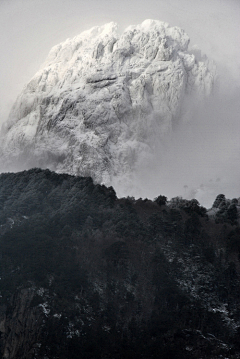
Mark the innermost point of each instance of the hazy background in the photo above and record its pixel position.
(202, 159)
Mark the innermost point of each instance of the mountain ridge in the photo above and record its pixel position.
(103, 102)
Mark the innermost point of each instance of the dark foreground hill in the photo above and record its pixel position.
(87, 275)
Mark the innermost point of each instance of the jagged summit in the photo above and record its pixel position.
(102, 101)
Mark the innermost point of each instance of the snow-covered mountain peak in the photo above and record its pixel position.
(103, 101)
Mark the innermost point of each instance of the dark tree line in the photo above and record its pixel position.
(101, 263)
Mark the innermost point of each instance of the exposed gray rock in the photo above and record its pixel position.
(20, 326)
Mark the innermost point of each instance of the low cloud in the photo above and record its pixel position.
(200, 158)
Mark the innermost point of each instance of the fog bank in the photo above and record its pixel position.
(201, 158)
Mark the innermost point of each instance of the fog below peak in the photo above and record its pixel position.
(200, 158)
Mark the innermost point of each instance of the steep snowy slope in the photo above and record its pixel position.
(102, 102)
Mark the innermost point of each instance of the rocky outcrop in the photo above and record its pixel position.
(102, 101)
(20, 326)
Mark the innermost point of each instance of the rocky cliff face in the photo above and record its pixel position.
(102, 101)
(20, 326)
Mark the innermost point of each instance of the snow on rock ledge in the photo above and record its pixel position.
(103, 101)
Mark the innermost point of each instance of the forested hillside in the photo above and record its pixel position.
(87, 275)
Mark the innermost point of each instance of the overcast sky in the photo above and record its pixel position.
(29, 28)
